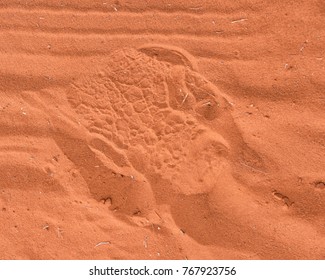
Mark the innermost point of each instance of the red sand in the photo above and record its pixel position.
(157, 130)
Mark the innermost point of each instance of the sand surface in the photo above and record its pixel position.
(162, 129)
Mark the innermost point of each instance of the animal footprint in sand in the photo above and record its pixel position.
(154, 109)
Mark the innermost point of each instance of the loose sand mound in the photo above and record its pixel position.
(161, 131)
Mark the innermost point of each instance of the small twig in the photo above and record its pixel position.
(46, 227)
(239, 20)
(158, 215)
(207, 103)
(185, 97)
(252, 168)
(102, 243)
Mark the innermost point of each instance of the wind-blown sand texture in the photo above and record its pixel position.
(162, 130)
